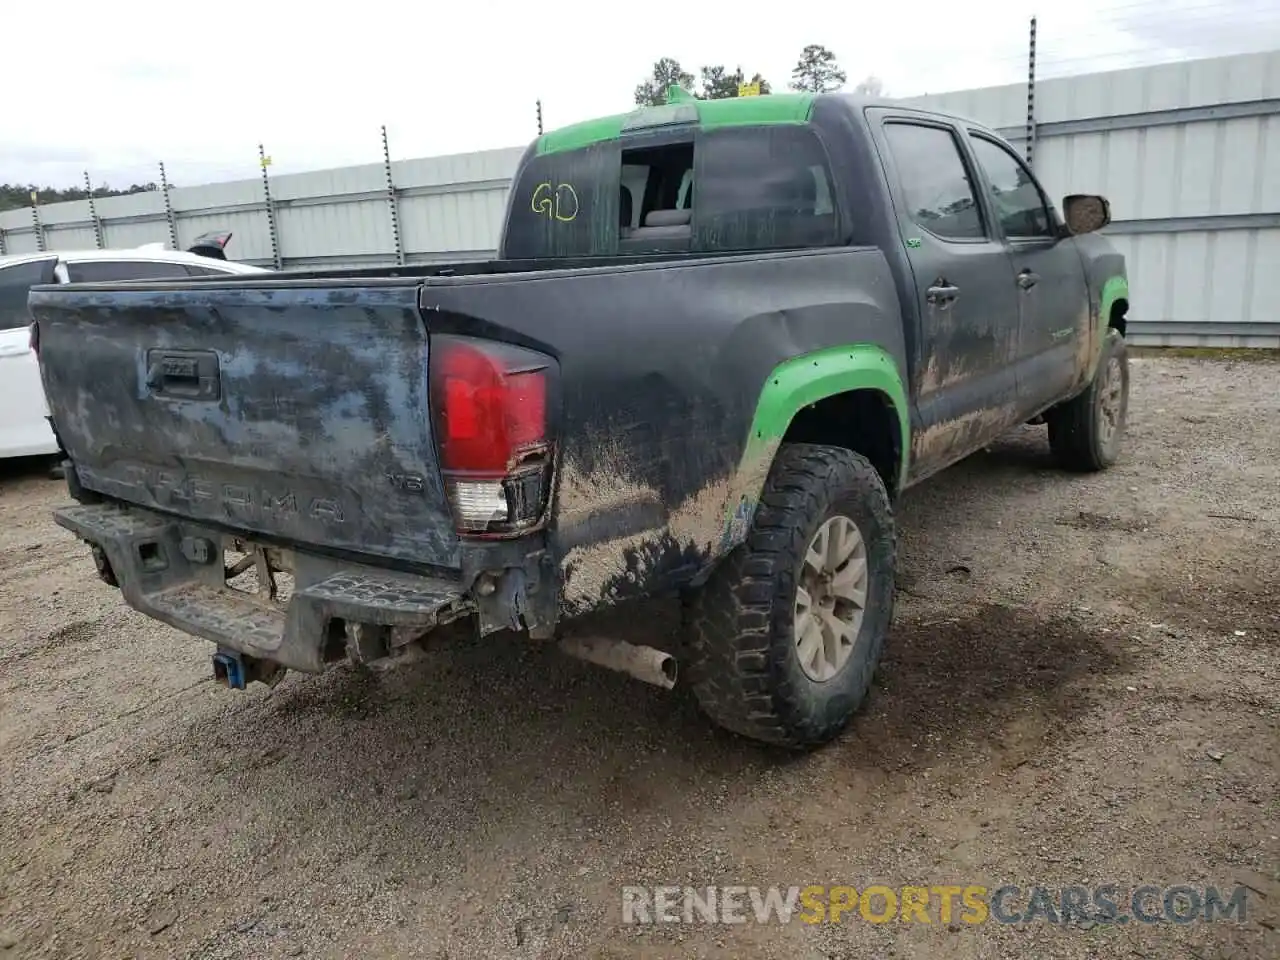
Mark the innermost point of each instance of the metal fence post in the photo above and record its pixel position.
(168, 209)
(93, 212)
(1031, 96)
(35, 219)
(264, 161)
(393, 204)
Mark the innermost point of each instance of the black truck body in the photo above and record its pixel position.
(591, 417)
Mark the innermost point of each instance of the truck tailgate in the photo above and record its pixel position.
(283, 409)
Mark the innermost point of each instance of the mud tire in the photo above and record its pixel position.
(743, 666)
(1078, 435)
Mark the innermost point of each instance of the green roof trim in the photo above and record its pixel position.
(709, 114)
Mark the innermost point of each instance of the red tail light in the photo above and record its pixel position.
(490, 403)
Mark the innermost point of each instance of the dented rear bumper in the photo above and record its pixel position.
(174, 571)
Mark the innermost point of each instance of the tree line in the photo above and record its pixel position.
(15, 196)
(817, 71)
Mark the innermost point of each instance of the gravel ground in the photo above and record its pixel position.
(1080, 688)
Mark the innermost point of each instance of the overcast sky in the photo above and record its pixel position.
(112, 88)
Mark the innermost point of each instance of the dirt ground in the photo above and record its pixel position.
(1081, 687)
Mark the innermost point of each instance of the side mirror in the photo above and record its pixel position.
(1086, 212)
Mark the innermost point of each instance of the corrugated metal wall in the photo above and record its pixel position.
(1189, 155)
(448, 208)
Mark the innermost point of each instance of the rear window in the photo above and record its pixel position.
(565, 205)
(759, 189)
(736, 188)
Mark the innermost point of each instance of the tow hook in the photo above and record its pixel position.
(235, 671)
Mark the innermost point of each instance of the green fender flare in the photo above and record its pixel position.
(1116, 288)
(789, 388)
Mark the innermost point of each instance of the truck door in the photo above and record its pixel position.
(963, 384)
(1053, 299)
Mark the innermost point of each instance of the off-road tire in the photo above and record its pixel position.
(1078, 435)
(743, 666)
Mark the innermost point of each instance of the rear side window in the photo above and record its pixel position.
(105, 271)
(15, 283)
(762, 188)
(935, 182)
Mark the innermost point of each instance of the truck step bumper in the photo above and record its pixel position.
(158, 577)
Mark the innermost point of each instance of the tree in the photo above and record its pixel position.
(666, 73)
(870, 86)
(719, 84)
(817, 71)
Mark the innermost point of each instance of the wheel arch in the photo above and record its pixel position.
(862, 420)
(1118, 318)
(852, 396)
(1113, 306)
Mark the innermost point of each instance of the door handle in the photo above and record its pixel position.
(1028, 279)
(941, 292)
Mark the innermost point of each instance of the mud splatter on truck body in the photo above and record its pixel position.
(660, 398)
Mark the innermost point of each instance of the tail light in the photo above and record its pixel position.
(494, 433)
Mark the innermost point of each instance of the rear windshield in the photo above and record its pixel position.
(729, 189)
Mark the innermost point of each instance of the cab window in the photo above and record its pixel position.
(1020, 206)
(565, 205)
(721, 190)
(762, 188)
(935, 182)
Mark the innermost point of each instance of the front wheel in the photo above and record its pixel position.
(786, 634)
(1085, 433)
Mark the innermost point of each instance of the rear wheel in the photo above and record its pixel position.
(1086, 432)
(787, 633)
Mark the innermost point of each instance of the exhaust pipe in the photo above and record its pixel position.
(644, 663)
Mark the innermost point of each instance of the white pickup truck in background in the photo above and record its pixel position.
(24, 425)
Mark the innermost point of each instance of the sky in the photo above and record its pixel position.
(199, 86)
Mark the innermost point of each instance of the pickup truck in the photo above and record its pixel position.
(719, 340)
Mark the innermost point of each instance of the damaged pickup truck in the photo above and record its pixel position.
(719, 341)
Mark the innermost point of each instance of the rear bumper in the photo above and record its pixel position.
(160, 578)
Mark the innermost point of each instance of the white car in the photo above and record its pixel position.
(24, 424)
